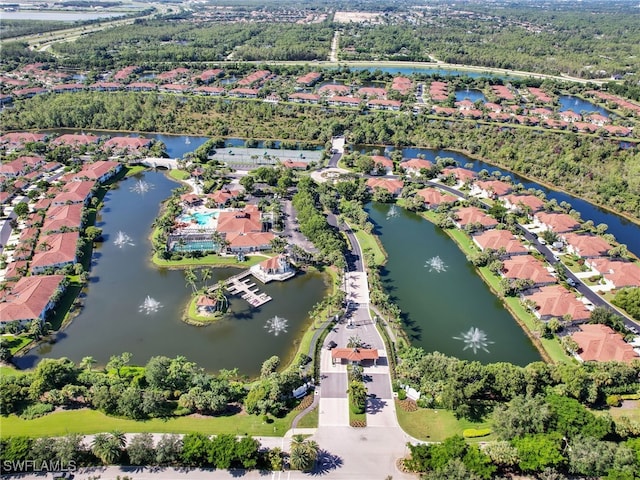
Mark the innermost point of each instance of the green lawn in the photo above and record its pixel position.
(15, 343)
(369, 242)
(630, 409)
(310, 420)
(436, 425)
(193, 315)
(90, 421)
(212, 260)
(135, 169)
(179, 174)
(7, 370)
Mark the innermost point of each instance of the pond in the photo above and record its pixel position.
(446, 305)
(133, 306)
(470, 94)
(577, 105)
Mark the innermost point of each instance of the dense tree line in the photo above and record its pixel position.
(165, 387)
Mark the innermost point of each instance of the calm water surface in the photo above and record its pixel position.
(122, 277)
(441, 305)
(473, 95)
(577, 105)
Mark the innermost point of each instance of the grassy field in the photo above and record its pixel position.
(369, 242)
(629, 409)
(6, 370)
(179, 174)
(90, 421)
(436, 425)
(15, 343)
(210, 260)
(310, 420)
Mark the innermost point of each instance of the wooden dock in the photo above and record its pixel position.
(241, 285)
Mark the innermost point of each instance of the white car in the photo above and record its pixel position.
(571, 282)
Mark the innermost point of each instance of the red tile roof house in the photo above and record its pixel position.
(331, 90)
(491, 188)
(300, 97)
(526, 267)
(249, 242)
(414, 165)
(125, 72)
(382, 164)
(211, 91)
(371, 92)
(191, 199)
(244, 92)
(354, 355)
(21, 166)
(383, 104)
(309, 79)
(31, 298)
(394, 187)
(344, 101)
(75, 140)
(600, 343)
(173, 74)
(473, 215)
(433, 197)
(462, 175)
(523, 203)
(99, 171)
(275, 268)
(222, 197)
(63, 217)
(126, 145)
(557, 222)
(254, 77)
(402, 85)
(617, 272)
(586, 246)
(55, 251)
(500, 239)
(206, 305)
(555, 301)
(14, 140)
(209, 75)
(75, 192)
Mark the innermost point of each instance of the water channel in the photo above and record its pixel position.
(122, 277)
(440, 294)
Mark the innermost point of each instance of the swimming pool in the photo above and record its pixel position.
(201, 218)
(202, 246)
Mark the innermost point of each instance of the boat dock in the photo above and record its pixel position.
(241, 285)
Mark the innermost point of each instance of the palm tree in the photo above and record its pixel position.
(108, 447)
(190, 278)
(87, 363)
(205, 275)
(304, 453)
(222, 303)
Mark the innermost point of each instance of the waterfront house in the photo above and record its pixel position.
(99, 171)
(141, 87)
(206, 305)
(209, 75)
(473, 216)
(402, 85)
(16, 140)
(20, 166)
(382, 164)
(309, 79)
(331, 90)
(556, 222)
(55, 251)
(275, 268)
(617, 273)
(75, 192)
(338, 101)
(127, 145)
(105, 86)
(393, 186)
(301, 97)
(63, 217)
(371, 92)
(523, 204)
(31, 298)
(491, 188)
(125, 73)
(462, 175)
(29, 92)
(255, 77)
(75, 140)
(433, 197)
(555, 301)
(585, 245)
(384, 104)
(500, 240)
(240, 242)
(414, 166)
(600, 343)
(438, 91)
(526, 267)
(173, 75)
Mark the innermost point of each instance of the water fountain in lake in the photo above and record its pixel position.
(141, 187)
(474, 339)
(277, 325)
(123, 239)
(393, 212)
(436, 264)
(150, 305)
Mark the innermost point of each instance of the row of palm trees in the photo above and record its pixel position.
(222, 302)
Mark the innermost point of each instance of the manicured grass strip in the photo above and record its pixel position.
(369, 242)
(135, 169)
(6, 371)
(179, 174)
(310, 420)
(631, 410)
(437, 425)
(15, 343)
(211, 259)
(90, 421)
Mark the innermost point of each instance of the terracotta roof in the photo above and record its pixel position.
(240, 221)
(61, 250)
(621, 273)
(496, 187)
(372, 92)
(354, 354)
(600, 343)
(433, 196)
(416, 164)
(497, 239)
(334, 89)
(531, 201)
(254, 77)
(74, 192)
(382, 160)
(204, 301)
(249, 240)
(527, 267)
(391, 185)
(461, 174)
(63, 216)
(29, 297)
(128, 143)
(309, 78)
(587, 245)
(467, 215)
(557, 301)
(558, 222)
(71, 139)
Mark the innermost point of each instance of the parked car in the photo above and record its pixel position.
(571, 282)
(331, 345)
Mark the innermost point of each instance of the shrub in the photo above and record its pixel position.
(614, 400)
(476, 432)
(37, 410)
(357, 409)
(402, 394)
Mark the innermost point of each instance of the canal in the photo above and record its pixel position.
(443, 300)
(122, 276)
